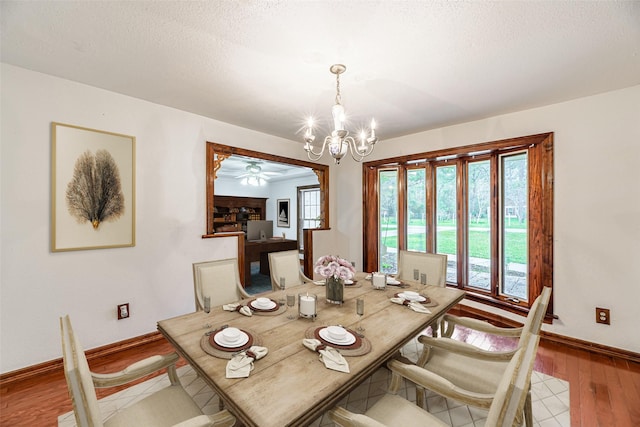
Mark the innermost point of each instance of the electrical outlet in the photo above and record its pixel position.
(123, 311)
(603, 316)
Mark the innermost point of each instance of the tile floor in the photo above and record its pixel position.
(550, 398)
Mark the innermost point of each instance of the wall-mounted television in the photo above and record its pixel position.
(259, 230)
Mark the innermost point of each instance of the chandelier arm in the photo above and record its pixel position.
(356, 154)
(319, 154)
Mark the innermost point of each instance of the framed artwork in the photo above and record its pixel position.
(283, 212)
(92, 189)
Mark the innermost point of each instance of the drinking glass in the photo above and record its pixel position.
(291, 301)
(282, 287)
(207, 304)
(416, 274)
(360, 313)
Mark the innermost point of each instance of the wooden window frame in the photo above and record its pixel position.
(539, 210)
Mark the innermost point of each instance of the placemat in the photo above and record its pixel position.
(430, 302)
(361, 347)
(277, 310)
(213, 349)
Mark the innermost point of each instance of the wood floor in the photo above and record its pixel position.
(604, 391)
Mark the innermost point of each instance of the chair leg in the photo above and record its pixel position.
(420, 397)
(528, 410)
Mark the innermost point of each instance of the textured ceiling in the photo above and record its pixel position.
(264, 65)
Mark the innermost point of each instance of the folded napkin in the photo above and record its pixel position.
(331, 357)
(415, 306)
(243, 309)
(241, 364)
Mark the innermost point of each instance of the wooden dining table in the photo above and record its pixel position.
(290, 386)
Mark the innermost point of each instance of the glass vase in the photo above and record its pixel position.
(335, 290)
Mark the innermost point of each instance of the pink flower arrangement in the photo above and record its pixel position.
(330, 265)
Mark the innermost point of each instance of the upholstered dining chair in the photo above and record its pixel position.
(286, 264)
(474, 369)
(433, 265)
(219, 280)
(170, 406)
(392, 410)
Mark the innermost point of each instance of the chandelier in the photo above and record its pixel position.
(339, 141)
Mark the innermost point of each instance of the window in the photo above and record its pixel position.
(388, 232)
(488, 207)
(309, 210)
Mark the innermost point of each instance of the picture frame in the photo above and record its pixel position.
(92, 188)
(283, 212)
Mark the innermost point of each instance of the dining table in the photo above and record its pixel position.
(290, 386)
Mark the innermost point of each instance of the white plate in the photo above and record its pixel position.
(392, 281)
(219, 339)
(348, 340)
(419, 299)
(271, 306)
(319, 282)
(348, 282)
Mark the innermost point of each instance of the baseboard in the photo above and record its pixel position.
(55, 365)
(497, 320)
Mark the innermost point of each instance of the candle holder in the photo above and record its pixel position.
(307, 306)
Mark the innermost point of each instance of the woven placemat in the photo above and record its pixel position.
(430, 302)
(279, 309)
(345, 350)
(227, 353)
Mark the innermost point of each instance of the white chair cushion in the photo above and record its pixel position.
(166, 407)
(393, 410)
(480, 376)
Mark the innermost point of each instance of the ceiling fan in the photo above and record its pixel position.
(254, 174)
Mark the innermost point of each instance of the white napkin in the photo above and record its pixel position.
(415, 306)
(331, 357)
(234, 307)
(242, 363)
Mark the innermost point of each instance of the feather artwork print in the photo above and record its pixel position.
(94, 193)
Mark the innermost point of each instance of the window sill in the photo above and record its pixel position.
(503, 305)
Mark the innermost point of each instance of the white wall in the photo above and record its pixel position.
(287, 190)
(596, 213)
(155, 277)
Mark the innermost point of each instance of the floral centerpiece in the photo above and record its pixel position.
(335, 270)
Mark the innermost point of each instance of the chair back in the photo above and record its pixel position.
(79, 380)
(219, 280)
(509, 399)
(434, 265)
(538, 309)
(285, 264)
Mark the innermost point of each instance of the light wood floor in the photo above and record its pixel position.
(604, 391)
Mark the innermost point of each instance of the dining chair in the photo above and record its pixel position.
(392, 410)
(433, 265)
(474, 369)
(219, 280)
(286, 264)
(169, 406)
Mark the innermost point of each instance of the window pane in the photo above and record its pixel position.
(310, 211)
(514, 225)
(446, 220)
(388, 233)
(479, 232)
(416, 210)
